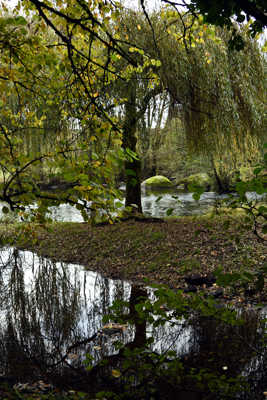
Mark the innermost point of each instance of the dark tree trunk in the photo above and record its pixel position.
(132, 165)
(138, 294)
(133, 113)
(133, 185)
(222, 185)
(218, 180)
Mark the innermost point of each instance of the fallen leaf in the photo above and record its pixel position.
(116, 373)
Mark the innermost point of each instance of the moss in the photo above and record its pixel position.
(158, 181)
(226, 211)
(246, 173)
(201, 179)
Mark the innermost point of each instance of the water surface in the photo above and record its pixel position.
(51, 317)
(155, 204)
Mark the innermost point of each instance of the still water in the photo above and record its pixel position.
(157, 203)
(154, 204)
(51, 317)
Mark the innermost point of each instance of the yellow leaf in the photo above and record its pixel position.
(72, 356)
(116, 373)
(139, 27)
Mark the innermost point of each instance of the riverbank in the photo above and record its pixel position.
(180, 253)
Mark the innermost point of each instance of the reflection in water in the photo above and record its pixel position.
(51, 316)
(51, 313)
(48, 309)
(232, 350)
(181, 203)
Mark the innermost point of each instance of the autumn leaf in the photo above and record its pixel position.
(115, 373)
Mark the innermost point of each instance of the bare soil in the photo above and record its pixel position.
(164, 252)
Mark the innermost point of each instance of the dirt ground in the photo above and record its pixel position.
(163, 251)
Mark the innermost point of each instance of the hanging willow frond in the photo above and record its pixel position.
(222, 93)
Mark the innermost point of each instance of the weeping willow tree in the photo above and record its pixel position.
(219, 93)
(222, 93)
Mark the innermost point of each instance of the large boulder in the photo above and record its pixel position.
(158, 181)
(201, 179)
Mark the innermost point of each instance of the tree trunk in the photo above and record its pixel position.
(132, 165)
(138, 294)
(222, 184)
(157, 137)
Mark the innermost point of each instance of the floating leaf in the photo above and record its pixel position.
(115, 373)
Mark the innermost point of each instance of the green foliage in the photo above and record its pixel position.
(45, 132)
(230, 11)
(58, 105)
(12, 394)
(256, 213)
(168, 150)
(59, 93)
(153, 371)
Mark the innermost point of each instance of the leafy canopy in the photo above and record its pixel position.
(227, 12)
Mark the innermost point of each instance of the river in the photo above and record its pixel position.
(155, 204)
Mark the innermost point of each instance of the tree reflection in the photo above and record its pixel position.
(231, 350)
(49, 310)
(51, 317)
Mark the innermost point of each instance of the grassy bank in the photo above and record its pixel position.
(163, 252)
